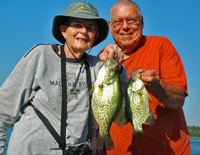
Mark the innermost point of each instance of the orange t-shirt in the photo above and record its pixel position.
(169, 134)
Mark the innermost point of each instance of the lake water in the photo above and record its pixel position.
(194, 144)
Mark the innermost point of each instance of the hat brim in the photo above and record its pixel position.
(59, 20)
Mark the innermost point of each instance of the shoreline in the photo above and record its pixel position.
(195, 137)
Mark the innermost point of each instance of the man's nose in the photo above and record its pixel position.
(125, 25)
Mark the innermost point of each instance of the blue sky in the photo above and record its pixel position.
(24, 24)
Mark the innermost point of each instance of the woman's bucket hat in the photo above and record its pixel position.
(84, 11)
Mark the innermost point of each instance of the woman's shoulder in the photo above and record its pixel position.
(40, 49)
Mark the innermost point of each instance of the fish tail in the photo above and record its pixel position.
(107, 140)
(109, 143)
(100, 143)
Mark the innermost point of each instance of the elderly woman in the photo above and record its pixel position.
(50, 101)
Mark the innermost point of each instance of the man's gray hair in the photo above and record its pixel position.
(126, 2)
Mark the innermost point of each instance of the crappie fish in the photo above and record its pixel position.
(107, 102)
(137, 107)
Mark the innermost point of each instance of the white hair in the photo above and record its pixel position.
(125, 2)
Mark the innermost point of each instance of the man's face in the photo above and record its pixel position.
(126, 26)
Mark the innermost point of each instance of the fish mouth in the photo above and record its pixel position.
(135, 75)
(111, 62)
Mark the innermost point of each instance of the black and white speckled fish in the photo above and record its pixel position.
(137, 108)
(107, 102)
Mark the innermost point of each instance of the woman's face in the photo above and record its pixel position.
(80, 34)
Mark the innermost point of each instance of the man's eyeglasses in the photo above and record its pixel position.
(78, 27)
(129, 21)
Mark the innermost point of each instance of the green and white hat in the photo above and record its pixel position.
(83, 10)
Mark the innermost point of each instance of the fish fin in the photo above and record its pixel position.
(149, 98)
(92, 90)
(100, 91)
(121, 119)
(95, 122)
(150, 119)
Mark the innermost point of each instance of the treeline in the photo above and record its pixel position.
(194, 131)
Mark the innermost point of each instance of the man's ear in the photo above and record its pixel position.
(110, 25)
(97, 35)
(142, 22)
(63, 30)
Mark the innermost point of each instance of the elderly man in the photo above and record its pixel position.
(164, 77)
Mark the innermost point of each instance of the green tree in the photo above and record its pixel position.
(194, 131)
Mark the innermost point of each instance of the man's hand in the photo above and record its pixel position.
(112, 51)
(170, 95)
(151, 78)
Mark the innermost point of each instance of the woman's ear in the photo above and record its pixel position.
(97, 35)
(63, 30)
